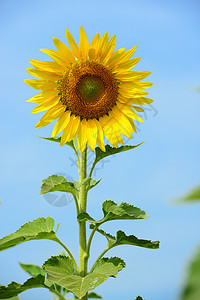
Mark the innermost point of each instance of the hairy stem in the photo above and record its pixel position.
(77, 205)
(82, 224)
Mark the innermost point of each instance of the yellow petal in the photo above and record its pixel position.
(109, 48)
(95, 41)
(49, 66)
(139, 101)
(103, 43)
(83, 44)
(116, 133)
(129, 85)
(124, 124)
(64, 51)
(46, 105)
(127, 65)
(42, 85)
(123, 98)
(136, 75)
(43, 74)
(129, 112)
(70, 130)
(137, 108)
(144, 85)
(119, 124)
(94, 46)
(43, 96)
(132, 124)
(114, 58)
(61, 123)
(100, 137)
(52, 114)
(91, 134)
(128, 53)
(135, 84)
(111, 130)
(82, 136)
(55, 56)
(73, 44)
(92, 53)
(132, 93)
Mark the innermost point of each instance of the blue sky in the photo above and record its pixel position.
(164, 167)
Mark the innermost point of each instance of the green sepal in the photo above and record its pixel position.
(99, 154)
(113, 211)
(32, 270)
(139, 298)
(123, 239)
(60, 270)
(55, 183)
(14, 288)
(39, 229)
(57, 139)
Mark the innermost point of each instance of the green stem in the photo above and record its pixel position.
(90, 241)
(57, 293)
(69, 252)
(100, 256)
(77, 205)
(82, 224)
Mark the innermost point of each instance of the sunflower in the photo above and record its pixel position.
(90, 90)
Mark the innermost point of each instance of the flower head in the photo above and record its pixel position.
(90, 90)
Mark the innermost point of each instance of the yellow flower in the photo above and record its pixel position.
(90, 89)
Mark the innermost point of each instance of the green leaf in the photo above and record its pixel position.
(57, 183)
(193, 195)
(123, 239)
(112, 211)
(93, 295)
(60, 269)
(110, 151)
(38, 229)
(191, 289)
(139, 298)
(86, 217)
(32, 270)
(57, 139)
(124, 211)
(14, 288)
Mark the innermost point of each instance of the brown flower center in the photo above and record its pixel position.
(89, 90)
